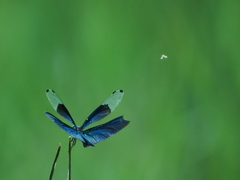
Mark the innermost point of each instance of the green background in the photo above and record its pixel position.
(184, 110)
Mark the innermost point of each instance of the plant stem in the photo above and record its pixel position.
(54, 162)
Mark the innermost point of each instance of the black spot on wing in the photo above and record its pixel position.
(49, 90)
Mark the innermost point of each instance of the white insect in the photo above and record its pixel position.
(163, 57)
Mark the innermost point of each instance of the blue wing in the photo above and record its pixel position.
(59, 106)
(96, 115)
(71, 131)
(104, 109)
(62, 110)
(103, 131)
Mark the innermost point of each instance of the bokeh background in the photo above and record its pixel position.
(184, 110)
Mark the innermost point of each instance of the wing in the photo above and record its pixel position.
(103, 131)
(105, 108)
(58, 105)
(71, 131)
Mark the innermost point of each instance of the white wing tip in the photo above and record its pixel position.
(119, 90)
(49, 90)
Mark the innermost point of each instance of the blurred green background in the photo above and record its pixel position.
(184, 110)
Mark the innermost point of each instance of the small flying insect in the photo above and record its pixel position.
(163, 57)
(91, 136)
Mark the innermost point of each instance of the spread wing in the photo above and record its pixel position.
(104, 109)
(103, 131)
(58, 105)
(71, 131)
